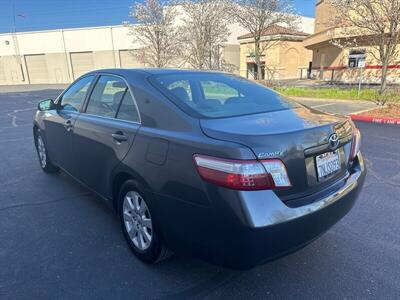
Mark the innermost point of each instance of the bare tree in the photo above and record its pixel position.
(258, 15)
(371, 23)
(204, 30)
(156, 32)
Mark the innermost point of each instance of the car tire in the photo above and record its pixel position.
(139, 225)
(45, 163)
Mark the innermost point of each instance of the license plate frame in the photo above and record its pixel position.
(327, 164)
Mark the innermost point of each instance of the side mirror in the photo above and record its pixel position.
(47, 104)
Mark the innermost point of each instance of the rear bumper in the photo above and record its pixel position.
(254, 227)
(274, 211)
(276, 230)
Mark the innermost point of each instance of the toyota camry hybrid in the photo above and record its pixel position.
(203, 162)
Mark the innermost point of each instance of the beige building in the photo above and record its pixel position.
(284, 55)
(331, 61)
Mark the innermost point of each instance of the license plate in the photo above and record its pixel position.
(327, 164)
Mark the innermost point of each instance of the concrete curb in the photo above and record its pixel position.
(362, 111)
(330, 100)
(372, 119)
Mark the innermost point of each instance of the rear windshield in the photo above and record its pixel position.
(217, 95)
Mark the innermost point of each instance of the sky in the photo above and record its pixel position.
(54, 14)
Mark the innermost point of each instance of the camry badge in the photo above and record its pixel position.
(269, 154)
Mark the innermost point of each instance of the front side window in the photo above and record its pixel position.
(217, 95)
(106, 96)
(74, 97)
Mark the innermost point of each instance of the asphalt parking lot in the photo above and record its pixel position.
(58, 241)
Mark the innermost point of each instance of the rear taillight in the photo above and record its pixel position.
(243, 174)
(356, 143)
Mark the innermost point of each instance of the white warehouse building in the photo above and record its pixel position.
(61, 56)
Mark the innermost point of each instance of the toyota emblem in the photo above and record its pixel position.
(333, 141)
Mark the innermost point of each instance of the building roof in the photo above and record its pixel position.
(154, 71)
(275, 30)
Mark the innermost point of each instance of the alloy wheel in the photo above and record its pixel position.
(41, 151)
(137, 220)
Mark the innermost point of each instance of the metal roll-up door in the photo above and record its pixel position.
(129, 59)
(37, 68)
(82, 62)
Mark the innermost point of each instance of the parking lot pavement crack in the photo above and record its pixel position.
(13, 116)
(15, 140)
(382, 180)
(207, 287)
(385, 138)
(391, 160)
(18, 179)
(26, 204)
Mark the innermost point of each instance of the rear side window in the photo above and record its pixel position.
(127, 111)
(218, 90)
(218, 95)
(106, 96)
(181, 89)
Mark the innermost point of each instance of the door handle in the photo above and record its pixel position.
(119, 137)
(68, 125)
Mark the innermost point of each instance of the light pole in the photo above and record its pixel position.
(15, 41)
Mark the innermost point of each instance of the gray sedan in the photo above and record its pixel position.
(203, 162)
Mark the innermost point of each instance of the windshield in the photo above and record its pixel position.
(217, 95)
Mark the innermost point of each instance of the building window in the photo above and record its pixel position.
(357, 58)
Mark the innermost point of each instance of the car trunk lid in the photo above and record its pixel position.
(296, 136)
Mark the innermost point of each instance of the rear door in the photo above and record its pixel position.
(104, 133)
(59, 123)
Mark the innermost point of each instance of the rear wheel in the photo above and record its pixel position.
(44, 158)
(139, 225)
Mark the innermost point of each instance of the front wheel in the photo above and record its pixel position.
(42, 152)
(139, 225)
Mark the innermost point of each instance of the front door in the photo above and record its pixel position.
(104, 132)
(59, 123)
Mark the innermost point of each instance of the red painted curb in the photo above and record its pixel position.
(371, 119)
